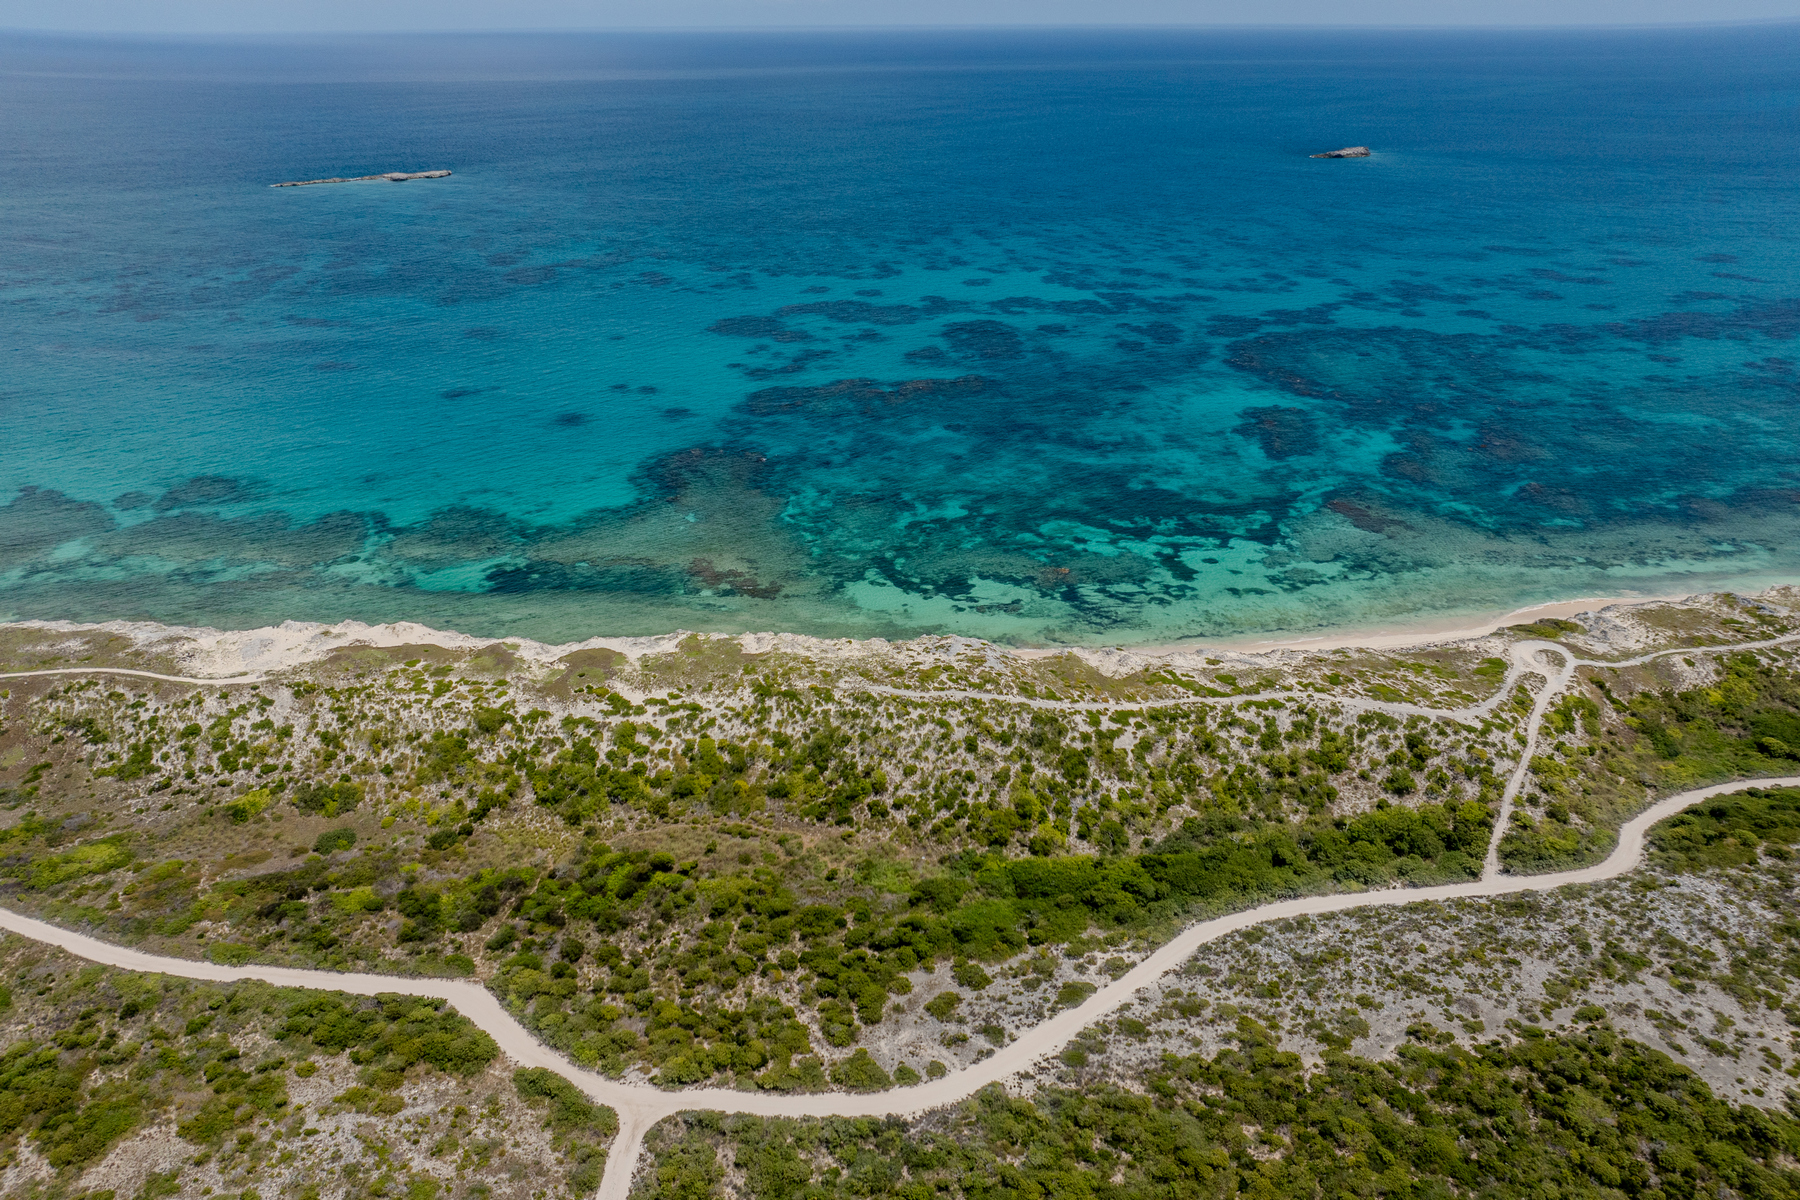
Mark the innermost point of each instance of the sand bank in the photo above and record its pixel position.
(224, 654)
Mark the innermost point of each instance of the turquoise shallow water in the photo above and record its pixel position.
(1049, 338)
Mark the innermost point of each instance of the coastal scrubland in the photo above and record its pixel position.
(782, 865)
(144, 1086)
(805, 866)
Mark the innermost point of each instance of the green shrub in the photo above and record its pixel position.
(160, 1184)
(333, 840)
(971, 976)
(327, 799)
(94, 858)
(860, 1073)
(357, 900)
(448, 835)
(1073, 993)
(140, 761)
(569, 1111)
(371, 1101)
(943, 1005)
(249, 805)
(392, 1032)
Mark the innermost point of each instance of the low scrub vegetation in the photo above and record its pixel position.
(1588, 1114)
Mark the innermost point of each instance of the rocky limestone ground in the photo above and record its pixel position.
(1704, 967)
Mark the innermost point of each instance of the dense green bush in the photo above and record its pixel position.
(333, 840)
(1548, 842)
(1745, 724)
(327, 799)
(860, 1073)
(569, 1111)
(943, 1006)
(249, 805)
(581, 1128)
(391, 1033)
(856, 956)
(1587, 1115)
(41, 1088)
(91, 858)
(1729, 831)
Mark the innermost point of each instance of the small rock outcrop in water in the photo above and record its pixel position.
(390, 176)
(1346, 152)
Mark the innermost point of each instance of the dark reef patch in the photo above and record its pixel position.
(1282, 432)
(671, 476)
(984, 339)
(38, 520)
(1161, 332)
(1776, 319)
(533, 576)
(206, 490)
(772, 328)
(862, 396)
(1318, 314)
(730, 582)
(458, 534)
(1224, 326)
(1364, 517)
(861, 312)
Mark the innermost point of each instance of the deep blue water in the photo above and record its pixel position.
(1044, 337)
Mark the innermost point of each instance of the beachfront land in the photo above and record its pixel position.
(784, 865)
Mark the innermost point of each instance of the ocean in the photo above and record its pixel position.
(1044, 337)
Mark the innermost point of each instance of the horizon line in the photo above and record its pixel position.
(847, 28)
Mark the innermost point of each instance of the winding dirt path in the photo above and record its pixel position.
(640, 1107)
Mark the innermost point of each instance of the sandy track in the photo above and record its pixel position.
(640, 1107)
(232, 680)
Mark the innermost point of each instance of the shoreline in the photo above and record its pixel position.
(1428, 631)
(224, 653)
